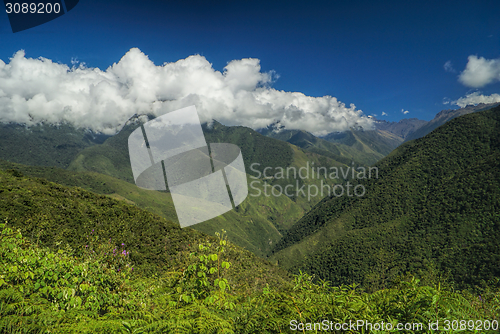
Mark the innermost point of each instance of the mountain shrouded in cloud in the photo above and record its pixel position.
(476, 98)
(39, 90)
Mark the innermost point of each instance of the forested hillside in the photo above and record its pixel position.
(257, 224)
(45, 144)
(435, 210)
(112, 157)
(53, 215)
(75, 262)
(260, 220)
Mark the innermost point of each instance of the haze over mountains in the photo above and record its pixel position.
(401, 129)
(365, 147)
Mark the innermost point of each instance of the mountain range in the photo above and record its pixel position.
(262, 224)
(257, 224)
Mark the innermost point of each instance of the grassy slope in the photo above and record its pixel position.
(44, 145)
(259, 222)
(255, 225)
(437, 200)
(51, 214)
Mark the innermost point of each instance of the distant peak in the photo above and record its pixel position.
(275, 127)
(139, 118)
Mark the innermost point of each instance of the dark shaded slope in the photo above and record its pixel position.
(255, 148)
(437, 202)
(44, 144)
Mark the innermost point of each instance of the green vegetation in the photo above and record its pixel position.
(44, 144)
(73, 261)
(111, 157)
(256, 225)
(255, 148)
(51, 214)
(52, 291)
(435, 210)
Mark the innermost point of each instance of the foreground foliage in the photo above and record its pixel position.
(47, 291)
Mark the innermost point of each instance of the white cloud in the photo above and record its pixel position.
(384, 113)
(34, 90)
(476, 98)
(405, 111)
(480, 71)
(448, 67)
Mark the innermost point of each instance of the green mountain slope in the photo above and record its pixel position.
(436, 205)
(43, 144)
(55, 215)
(259, 221)
(112, 158)
(256, 225)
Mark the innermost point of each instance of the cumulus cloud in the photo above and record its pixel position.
(39, 90)
(448, 67)
(384, 113)
(480, 71)
(476, 98)
(405, 111)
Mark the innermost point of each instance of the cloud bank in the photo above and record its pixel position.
(480, 71)
(476, 98)
(39, 90)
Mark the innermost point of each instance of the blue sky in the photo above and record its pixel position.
(381, 56)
